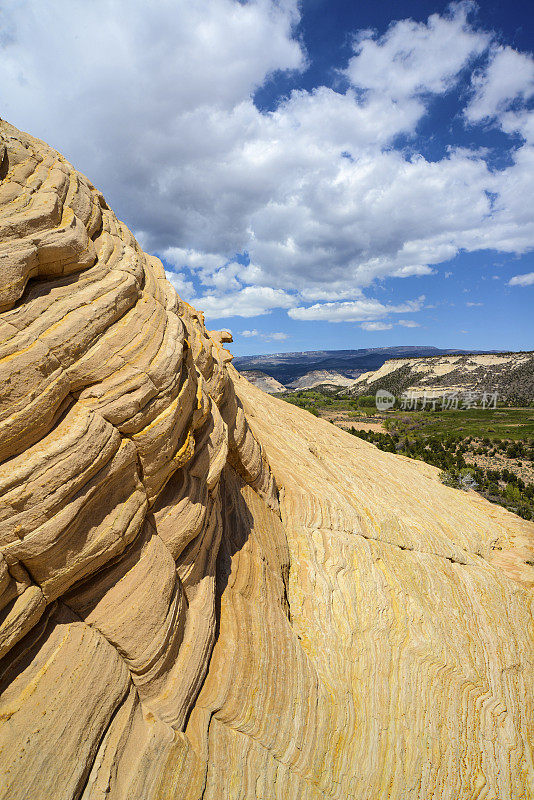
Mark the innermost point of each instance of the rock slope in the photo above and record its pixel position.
(319, 377)
(263, 381)
(509, 374)
(206, 592)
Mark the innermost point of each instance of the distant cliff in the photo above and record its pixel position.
(308, 381)
(289, 367)
(319, 377)
(263, 381)
(511, 375)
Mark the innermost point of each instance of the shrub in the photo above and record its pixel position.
(459, 479)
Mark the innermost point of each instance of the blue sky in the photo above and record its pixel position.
(314, 175)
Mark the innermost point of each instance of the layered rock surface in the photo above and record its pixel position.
(511, 375)
(206, 592)
(263, 381)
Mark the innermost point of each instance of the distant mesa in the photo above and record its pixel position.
(320, 377)
(511, 375)
(289, 367)
(310, 380)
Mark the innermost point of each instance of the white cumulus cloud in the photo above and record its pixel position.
(426, 57)
(354, 311)
(155, 102)
(376, 326)
(251, 301)
(181, 284)
(272, 336)
(509, 75)
(522, 280)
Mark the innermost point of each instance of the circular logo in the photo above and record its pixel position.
(384, 400)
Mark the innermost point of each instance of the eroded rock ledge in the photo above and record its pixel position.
(207, 593)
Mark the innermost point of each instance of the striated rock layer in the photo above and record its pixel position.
(263, 381)
(206, 592)
(511, 375)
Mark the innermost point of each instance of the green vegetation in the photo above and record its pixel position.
(316, 400)
(395, 382)
(509, 423)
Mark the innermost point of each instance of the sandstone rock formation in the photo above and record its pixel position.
(263, 381)
(206, 592)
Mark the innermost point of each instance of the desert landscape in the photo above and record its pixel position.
(266, 400)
